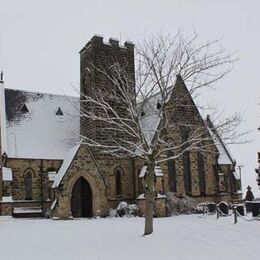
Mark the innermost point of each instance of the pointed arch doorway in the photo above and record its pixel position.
(81, 199)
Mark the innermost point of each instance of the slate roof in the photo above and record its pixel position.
(39, 125)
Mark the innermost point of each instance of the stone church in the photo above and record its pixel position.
(45, 171)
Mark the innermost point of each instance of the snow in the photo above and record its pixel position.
(65, 165)
(7, 199)
(27, 210)
(158, 195)
(224, 157)
(52, 176)
(180, 237)
(157, 171)
(40, 133)
(53, 204)
(236, 175)
(7, 174)
(151, 118)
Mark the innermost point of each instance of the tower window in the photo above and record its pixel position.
(59, 112)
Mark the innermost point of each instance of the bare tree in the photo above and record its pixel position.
(139, 119)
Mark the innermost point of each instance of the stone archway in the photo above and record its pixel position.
(99, 199)
(81, 199)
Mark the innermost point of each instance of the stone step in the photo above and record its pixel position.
(27, 212)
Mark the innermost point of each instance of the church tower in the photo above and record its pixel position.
(96, 60)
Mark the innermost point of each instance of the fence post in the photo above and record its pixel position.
(235, 214)
(217, 212)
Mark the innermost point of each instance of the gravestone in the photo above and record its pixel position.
(255, 208)
(211, 207)
(248, 206)
(223, 208)
(240, 209)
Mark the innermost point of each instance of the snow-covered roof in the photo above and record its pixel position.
(157, 171)
(7, 174)
(52, 176)
(7, 199)
(236, 175)
(65, 165)
(39, 125)
(150, 117)
(224, 155)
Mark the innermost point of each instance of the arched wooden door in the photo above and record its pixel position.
(81, 199)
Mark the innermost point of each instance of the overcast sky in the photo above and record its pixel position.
(40, 41)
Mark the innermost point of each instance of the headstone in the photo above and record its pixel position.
(248, 206)
(211, 207)
(240, 209)
(255, 208)
(223, 208)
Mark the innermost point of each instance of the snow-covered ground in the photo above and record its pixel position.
(182, 237)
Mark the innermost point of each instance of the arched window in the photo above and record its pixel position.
(118, 182)
(201, 171)
(28, 184)
(172, 180)
(186, 161)
(140, 183)
(171, 173)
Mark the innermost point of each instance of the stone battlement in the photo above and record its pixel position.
(98, 40)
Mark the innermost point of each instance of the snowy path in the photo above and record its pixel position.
(182, 237)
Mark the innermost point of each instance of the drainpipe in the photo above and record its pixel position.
(41, 173)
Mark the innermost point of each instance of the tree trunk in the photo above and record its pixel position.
(149, 199)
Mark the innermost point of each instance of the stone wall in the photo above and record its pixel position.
(96, 60)
(84, 166)
(6, 208)
(40, 181)
(160, 209)
(183, 116)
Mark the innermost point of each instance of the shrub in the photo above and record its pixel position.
(124, 209)
(177, 205)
